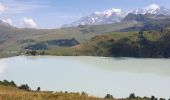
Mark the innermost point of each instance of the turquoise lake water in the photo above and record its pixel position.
(97, 76)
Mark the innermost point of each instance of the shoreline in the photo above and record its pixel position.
(84, 56)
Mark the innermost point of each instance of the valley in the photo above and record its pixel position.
(82, 50)
(140, 33)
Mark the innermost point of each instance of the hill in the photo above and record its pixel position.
(10, 91)
(14, 40)
(148, 44)
(144, 44)
(92, 40)
(146, 22)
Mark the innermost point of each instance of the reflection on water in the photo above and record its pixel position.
(151, 66)
(95, 75)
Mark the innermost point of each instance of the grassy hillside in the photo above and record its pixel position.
(13, 40)
(10, 91)
(95, 40)
(147, 44)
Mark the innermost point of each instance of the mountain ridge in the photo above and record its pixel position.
(152, 9)
(117, 15)
(97, 18)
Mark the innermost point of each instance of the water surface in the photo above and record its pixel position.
(95, 75)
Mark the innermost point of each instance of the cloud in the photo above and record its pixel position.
(2, 8)
(29, 23)
(9, 21)
(17, 6)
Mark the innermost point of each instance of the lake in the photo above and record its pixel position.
(94, 75)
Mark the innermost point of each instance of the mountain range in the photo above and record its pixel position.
(139, 33)
(117, 15)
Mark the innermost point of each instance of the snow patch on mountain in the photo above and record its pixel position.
(116, 15)
(107, 17)
(152, 9)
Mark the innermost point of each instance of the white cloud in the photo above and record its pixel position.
(2, 8)
(9, 21)
(16, 6)
(29, 23)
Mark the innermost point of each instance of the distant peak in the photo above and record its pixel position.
(153, 6)
(152, 9)
(115, 15)
(97, 12)
(116, 10)
(110, 11)
(113, 10)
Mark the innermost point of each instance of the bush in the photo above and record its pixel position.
(24, 87)
(162, 99)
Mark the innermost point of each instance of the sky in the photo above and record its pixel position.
(55, 13)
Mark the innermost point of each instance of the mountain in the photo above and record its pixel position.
(5, 25)
(14, 41)
(117, 15)
(148, 44)
(6, 31)
(136, 17)
(131, 17)
(146, 22)
(107, 17)
(152, 9)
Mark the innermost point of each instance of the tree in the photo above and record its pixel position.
(141, 33)
(66, 92)
(108, 96)
(132, 95)
(141, 36)
(6, 83)
(12, 83)
(43, 53)
(153, 98)
(34, 52)
(161, 30)
(1, 83)
(84, 94)
(38, 89)
(24, 87)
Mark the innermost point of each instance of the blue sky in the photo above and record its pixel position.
(54, 13)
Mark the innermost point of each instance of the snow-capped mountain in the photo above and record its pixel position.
(107, 17)
(117, 15)
(152, 9)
